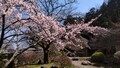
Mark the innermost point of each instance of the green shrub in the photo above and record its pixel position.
(56, 53)
(1, 64)
(98, 57)
(2, 56)
(53, 55)
(63, 62)
(60, 59)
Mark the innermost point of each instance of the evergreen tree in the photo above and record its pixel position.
(110, 14)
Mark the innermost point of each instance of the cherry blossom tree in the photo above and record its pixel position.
(49, 32)
(73, 33)
(11, 18)
(39, 29)
(12, 12)
(13, 15)
(45, 29)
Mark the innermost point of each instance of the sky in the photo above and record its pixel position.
(84, 6)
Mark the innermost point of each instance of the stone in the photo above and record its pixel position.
(54, 67)
(75, 59)
(86, 63)
(117, 57)
(42, 67)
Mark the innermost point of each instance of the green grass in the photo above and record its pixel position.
(33, 66)
(36, 66)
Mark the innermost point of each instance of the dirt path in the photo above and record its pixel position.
(78, 63)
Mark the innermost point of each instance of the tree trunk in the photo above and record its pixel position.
(10, 62)
(45, 58)
(3, 30)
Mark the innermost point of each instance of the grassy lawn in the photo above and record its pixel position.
(36, 66)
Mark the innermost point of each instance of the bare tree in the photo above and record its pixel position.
(57, 8)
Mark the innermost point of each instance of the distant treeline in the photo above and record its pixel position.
(110, 14)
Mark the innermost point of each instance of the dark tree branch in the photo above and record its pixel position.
(15, 23)
(12, 35)
(3, 31)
